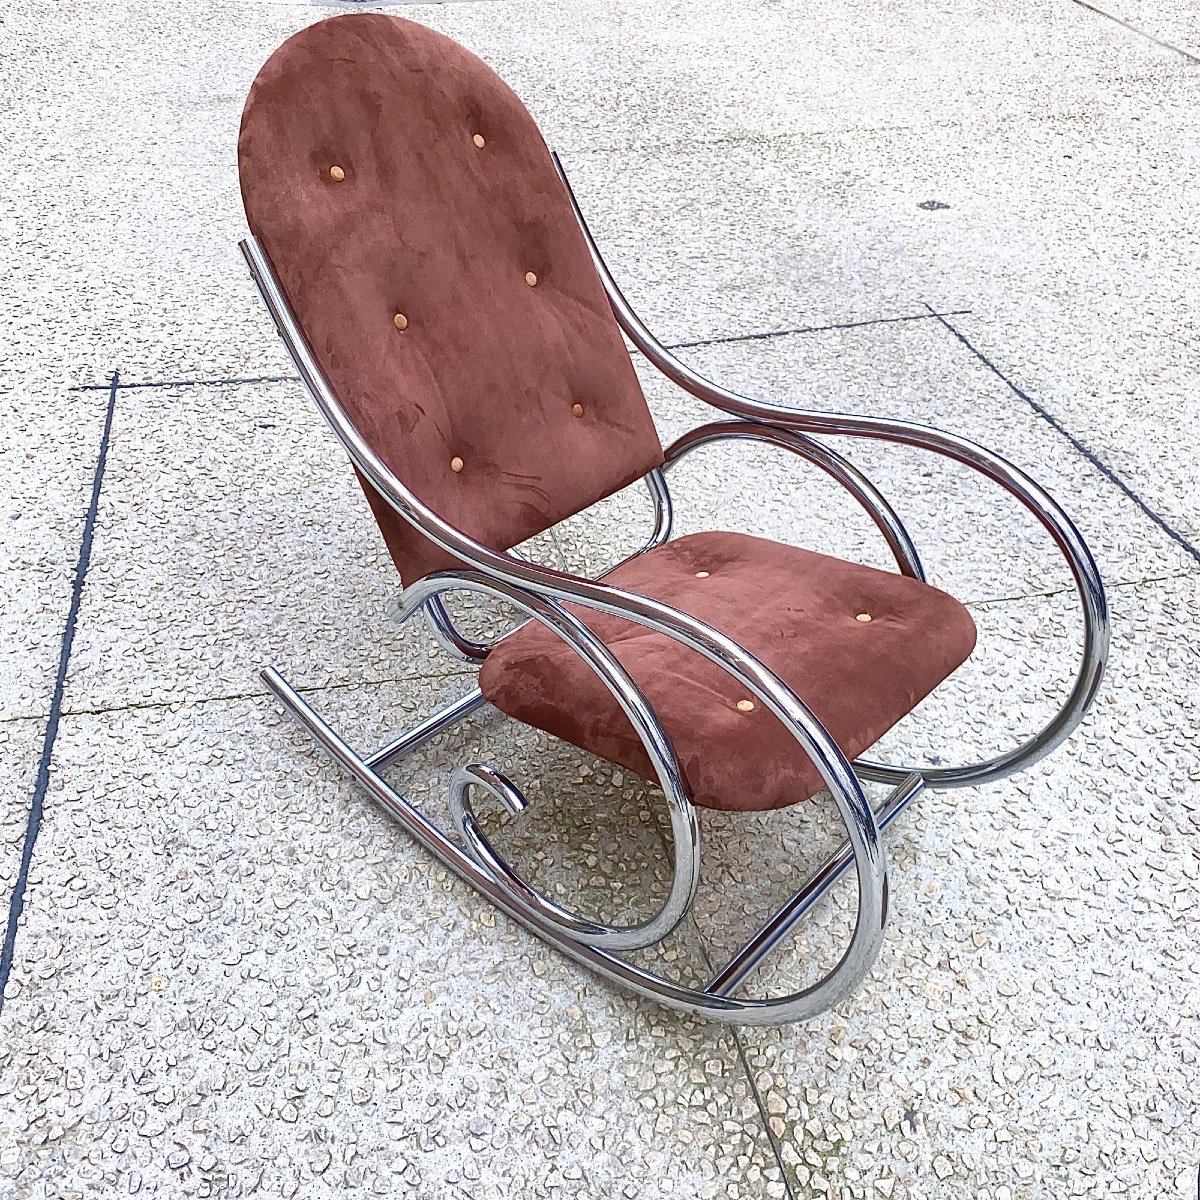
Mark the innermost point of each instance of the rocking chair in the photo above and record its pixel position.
(426, 264)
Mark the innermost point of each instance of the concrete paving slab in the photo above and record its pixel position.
(1130, 389)
(671, 74)
(976, 541)
(1027, 1025)
(49, 442)
(128, 161)
(141, 273)
(819, 229)
(273, 874)
(135, 249)
(235, 974)
(232, 533)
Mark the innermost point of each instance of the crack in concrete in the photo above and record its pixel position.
(41, 786)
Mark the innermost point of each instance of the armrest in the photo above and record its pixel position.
(845, 472)
(1036, 499)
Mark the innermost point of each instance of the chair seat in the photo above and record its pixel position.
(803, 614)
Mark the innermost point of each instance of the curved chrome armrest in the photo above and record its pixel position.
(1050, 515)
(845, 472)
(922, 437)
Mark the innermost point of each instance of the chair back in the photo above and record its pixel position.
(427, 247)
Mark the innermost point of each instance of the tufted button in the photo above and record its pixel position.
(577, 409)
(400, 321)
(479, 140)
(701, 574)
(745, 705)
(531, 279)
(456, 464)
(337, 174)
(863, 617)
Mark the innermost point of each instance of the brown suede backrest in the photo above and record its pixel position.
(427, 247)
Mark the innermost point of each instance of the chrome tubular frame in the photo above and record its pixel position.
(709, 1004)
(664, 513)
(542, 593)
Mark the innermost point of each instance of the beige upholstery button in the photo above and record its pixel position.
(531, 279)
(745, 705)
(337, 174)
(400, 321)
(478, 139)
(701, 574)
(863, 617)
(456, 464)
(577, 409)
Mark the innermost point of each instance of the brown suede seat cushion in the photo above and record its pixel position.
(793, 609)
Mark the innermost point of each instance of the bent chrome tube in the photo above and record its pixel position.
(591, 933)
(921, 437)
(845, 472)
(428, 729)
(781, 700)
(685, 829)
(664, 513)
(783, 1010)
(731, 976)
(456, 644)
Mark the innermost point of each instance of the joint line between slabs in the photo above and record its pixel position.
(241, 381)
(777, 333)
(1100, 12)
(42, 780)
(233, 381)
(1092, 457)
(740, 1050)
(739, 1046)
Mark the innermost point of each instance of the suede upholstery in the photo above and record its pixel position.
(796, 611)
(409, 277)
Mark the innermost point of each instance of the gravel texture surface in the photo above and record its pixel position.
(233, 977)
